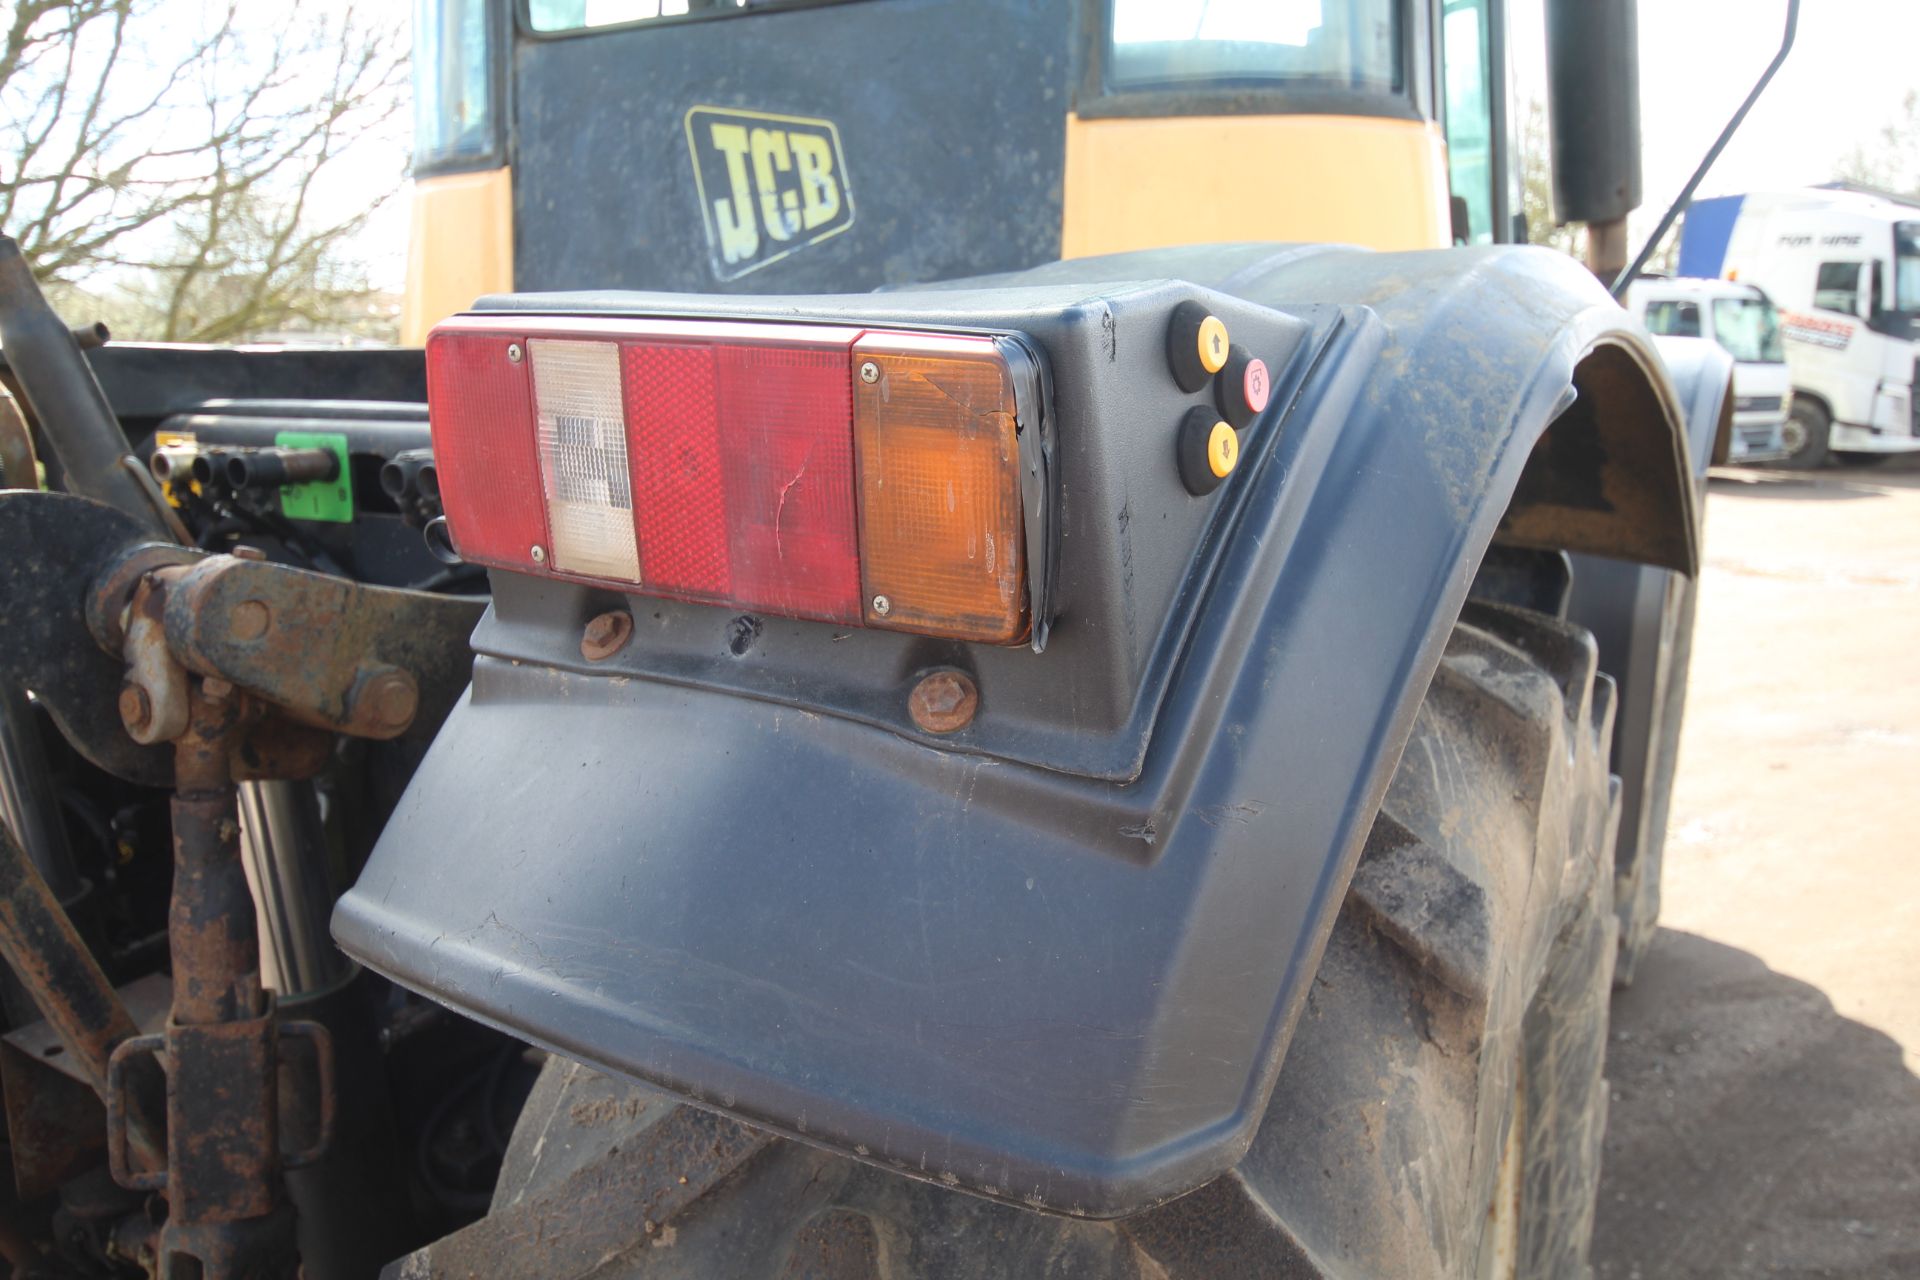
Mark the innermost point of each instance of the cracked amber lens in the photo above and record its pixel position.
(941, 538)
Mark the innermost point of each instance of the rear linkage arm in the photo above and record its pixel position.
(247, 670)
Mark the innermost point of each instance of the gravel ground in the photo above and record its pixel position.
(1766, 1110)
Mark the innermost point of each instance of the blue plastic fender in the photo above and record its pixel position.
(1055, 958)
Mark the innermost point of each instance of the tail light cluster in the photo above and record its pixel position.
(852, 475)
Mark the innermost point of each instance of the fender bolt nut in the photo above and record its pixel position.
(606, 635)
(944, 701)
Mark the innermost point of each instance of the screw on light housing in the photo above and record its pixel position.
(882, 606)
(869, 372)
(538, 552)
(513, 353)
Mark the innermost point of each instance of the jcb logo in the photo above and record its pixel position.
(768, 185)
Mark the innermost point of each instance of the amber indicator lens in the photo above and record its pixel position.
(941, 536)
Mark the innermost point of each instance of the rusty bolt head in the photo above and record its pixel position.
(214, 689)
(250, 619)
(241, 551)
(606, 635)
(391, 699)
(944, 701)
(136, 708)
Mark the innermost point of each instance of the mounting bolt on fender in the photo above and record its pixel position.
(606, 634)
(944, 701)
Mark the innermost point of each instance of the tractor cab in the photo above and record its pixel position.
(796, 146)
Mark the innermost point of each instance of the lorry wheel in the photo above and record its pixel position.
(1806, 436)
(1439, 1110)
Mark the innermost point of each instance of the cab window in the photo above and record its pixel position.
(1466, 46)
(1674, 319)
(454, 123)
(1749, 328)
(1837, 288)
(1170, 44)
(1906, 267)
(555, 16)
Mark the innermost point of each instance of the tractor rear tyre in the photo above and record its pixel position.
(1440, 1108)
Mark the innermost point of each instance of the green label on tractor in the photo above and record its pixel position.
(330, 500)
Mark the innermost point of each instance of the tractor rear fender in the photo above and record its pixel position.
(1053, 958)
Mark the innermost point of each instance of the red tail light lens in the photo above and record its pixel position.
(854, 476)
(491, 471)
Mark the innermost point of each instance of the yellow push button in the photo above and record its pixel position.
(1213, 344)
(1207, 450)
(1223, 449)
(1197, 345)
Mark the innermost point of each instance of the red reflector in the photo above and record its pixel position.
(787, 446)
(484, 447)
(743, 475)
(680, 506)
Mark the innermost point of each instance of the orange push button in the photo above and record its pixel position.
(1208, 450)
(1244, 387)
(1197, 345)
(1213, 344)
(1223, 449)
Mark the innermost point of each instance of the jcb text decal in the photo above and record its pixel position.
(768, 185)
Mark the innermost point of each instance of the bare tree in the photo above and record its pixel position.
(169, 156)
(1892, 161)
(1536, 185)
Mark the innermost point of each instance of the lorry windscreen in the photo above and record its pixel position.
(1906, 267)
(1170, 44)
(1749, 328)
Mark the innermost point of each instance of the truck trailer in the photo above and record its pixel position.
(1843, 265)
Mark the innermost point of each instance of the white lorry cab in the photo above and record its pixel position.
(1743, 320)
(1843, 266)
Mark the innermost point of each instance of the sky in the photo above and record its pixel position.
(1853, 61)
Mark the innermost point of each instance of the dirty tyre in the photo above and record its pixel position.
(1440, 1108)
(1458, 1020)
(1808, 428)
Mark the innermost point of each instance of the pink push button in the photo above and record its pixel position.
(1243, 388)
